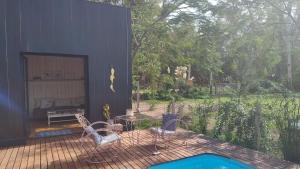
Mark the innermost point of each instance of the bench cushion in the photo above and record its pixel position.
(156, 130)
(97, 138)
(109, 139)
(101, 140)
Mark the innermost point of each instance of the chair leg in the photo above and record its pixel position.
(95, 155)
(119, 143)
(115, 155)
(156, 152)
(92, 157)
(185, 143)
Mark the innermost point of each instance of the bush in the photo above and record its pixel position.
(237, 123)
(265, 86)
(149, 95)
(167, 82)
(194, 93)
(167, 95)
(201, 117)
(145, 124)
(164, 95)
(287, 119)
(182, 86)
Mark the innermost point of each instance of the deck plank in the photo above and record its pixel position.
(82, 152)
(68, 158)
(49, 155)
(19, 157)
(147, 140)
(126, 162)
(130, 154)
(78, 151)
(65, 152)
(5, 160)
(73, 155)
(25, 156)
(37, 154)
(44, 152)
(147, 146)
(124, 156)
(142, 154)
(114, 155)
(2, 154)
(175, 150)
(89, 149)
(30, 163)
(56, 161)
(61, 156)
(127, 154)
(12, 158)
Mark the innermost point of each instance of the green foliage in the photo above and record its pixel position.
(149, 95)
(236, 123)
(181, 85)
(258, 124)
(264, 86)
(189, 92)
(144, 124)
(195, 93)
(201, 116)
(167, 82)
(287, 120)
(167, 95)
(164, 95)
(244, 40)
(152, 104)
(267, 123)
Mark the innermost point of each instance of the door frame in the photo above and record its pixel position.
(25, 77)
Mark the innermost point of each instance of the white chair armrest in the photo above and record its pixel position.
(101, 129)
(99, 122)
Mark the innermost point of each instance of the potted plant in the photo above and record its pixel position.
(107, 114)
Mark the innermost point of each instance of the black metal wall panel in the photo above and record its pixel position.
(3, 70)
(78, 27)
(127, 50)
(15, 70)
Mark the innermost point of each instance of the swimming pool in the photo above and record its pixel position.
(203, 161)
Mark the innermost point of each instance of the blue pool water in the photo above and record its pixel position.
(203, 161)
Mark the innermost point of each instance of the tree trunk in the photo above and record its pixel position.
(257, 121)
(289, 65)
(288, 42)
(211, 83)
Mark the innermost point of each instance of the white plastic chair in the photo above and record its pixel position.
(100, 141)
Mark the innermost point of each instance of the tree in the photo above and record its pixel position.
(239, 40)
(288, 12)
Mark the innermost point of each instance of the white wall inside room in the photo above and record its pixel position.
(56, 80)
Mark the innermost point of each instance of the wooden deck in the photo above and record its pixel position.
(65, 152)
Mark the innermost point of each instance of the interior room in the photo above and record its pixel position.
(55, 92)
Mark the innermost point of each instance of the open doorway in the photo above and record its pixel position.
(55, 91)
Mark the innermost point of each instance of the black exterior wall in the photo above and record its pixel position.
(73, 27)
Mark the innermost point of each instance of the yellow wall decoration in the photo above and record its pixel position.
(112, 78)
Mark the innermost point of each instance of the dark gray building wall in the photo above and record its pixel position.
(99, 32)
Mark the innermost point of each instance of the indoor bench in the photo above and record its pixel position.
(56, 114)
